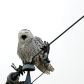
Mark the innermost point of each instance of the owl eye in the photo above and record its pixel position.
(26, 32)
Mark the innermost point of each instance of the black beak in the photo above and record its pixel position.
(24, 37)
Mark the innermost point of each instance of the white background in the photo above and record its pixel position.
(46, 19)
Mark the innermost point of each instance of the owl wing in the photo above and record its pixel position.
(39, 40)
(40, 44)
(41, 66)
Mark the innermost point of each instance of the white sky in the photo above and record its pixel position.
(46, 19)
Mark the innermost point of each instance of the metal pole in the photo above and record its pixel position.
(28, 78)
(61, 34)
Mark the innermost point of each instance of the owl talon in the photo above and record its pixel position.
(46, 47)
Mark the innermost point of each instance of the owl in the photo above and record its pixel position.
(28, 46)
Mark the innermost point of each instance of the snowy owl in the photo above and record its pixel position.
(28, 46)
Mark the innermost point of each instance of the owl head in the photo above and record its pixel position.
(24, 36)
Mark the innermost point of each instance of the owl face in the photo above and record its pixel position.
(24, 35)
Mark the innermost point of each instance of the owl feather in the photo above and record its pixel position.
(29, 46)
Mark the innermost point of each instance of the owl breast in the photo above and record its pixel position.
(27, 51)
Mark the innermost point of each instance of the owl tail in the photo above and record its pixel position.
(43, 67)
(50, 68)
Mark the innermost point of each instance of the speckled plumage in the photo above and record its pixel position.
(29, 46)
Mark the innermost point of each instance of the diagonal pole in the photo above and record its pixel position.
(67, 29)
(61, 34)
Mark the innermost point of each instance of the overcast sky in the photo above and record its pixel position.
(46, 19)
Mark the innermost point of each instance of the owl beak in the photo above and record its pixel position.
(24, 37)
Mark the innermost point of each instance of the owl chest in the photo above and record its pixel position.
(26, 51)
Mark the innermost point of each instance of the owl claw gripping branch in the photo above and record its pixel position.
(46, 49)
